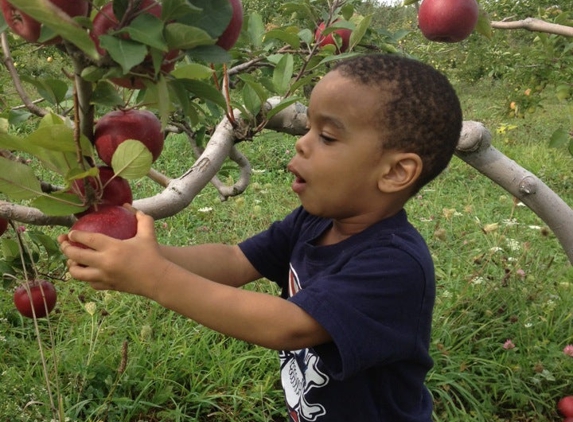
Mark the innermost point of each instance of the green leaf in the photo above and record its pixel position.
(16, 117)
(257, 87)
(284, 103)
(560, 138)
(214, 18)
(483, 25)
(148, 30)
(49, 243)
(6, 268)
(51, 119)
(58, 21)
(256, 30)
(12, 142)
(287, 37)
(307, 80)
(10, 249)
(205, 91)
(303, 10)
(131, 159)
(126, 53)
(209, 54)
(307, 36)
(193, 71)
(282, 74)
(58, 203)
(80, 173)
(179, 97)
(106, 94)
(163, 101)
(50, 143)
(52, 90)
(347, 10)
(93, 73)
(58, 138)
(361, 28)
(251, 100)
(17, 180)
(185, 37)
(173, 9)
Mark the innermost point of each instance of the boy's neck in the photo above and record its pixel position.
(342, 229)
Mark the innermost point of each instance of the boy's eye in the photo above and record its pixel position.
(326, 138)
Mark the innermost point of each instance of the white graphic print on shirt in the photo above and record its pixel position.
(300, 374)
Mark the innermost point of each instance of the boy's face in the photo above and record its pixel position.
(337, 163)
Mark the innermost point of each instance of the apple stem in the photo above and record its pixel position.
(229, 112)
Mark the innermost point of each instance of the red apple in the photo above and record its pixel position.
(231, 34)
(111, 220)
(106, 22)
(447, 20)
(565, 406)
(3, 225)
(329, 39)
(109, 189)
(117, 126)
(33, 303)
(29, 28)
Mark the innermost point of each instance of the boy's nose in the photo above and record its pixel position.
(301, 144)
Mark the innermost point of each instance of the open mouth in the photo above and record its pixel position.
(299, 182)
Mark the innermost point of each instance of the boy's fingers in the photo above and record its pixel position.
(89, 239)
(130, 207)
(145, 225)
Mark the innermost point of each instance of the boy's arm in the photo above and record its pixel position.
(139, 266)
(255, 317)
(222, 263)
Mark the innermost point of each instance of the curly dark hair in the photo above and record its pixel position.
(419, 110)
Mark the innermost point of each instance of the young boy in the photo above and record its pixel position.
(353, 322)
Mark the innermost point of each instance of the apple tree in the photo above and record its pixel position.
(210, 69)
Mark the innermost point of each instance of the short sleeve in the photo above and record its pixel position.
(269, 251)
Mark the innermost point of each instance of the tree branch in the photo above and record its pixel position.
(244, 176)
(476, 150)
(181, 191)
(29, 215)
(9, 63)
(535, 25)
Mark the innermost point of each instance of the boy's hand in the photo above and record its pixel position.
(134, 265)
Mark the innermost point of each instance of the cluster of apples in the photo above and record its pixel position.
(106, 22)
(108, 192)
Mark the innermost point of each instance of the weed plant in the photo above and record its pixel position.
(503, 316)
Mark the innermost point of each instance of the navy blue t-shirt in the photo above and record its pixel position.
(374, 293)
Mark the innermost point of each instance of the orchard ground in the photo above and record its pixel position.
(502, 319)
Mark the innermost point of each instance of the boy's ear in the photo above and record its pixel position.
(400, 172)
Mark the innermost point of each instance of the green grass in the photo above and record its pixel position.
(501, 275)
